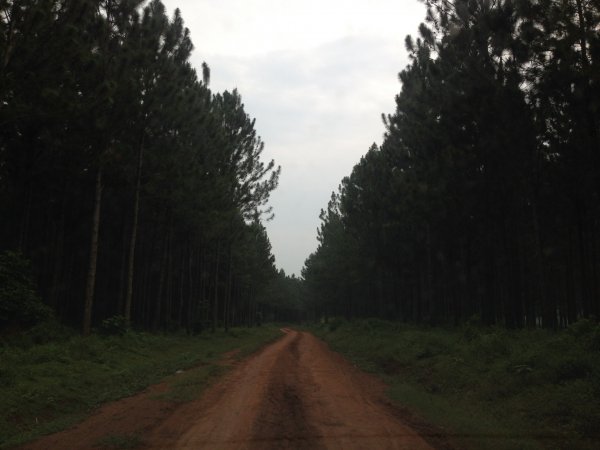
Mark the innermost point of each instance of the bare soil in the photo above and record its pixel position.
(294, 394)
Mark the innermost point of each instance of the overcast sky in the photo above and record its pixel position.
(316, 75)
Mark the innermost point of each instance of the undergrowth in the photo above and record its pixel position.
(47, 387)
(488, 387)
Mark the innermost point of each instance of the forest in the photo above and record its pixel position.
(458, 262)
(482, 202)
(130, 194)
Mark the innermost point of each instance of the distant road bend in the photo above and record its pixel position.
(294, 394)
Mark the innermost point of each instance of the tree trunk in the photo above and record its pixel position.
(204, 307)
(91, 277)
(181, 291)
(169, 288)
(122, 272)
(188, 322)
(24, 234)
(228, 293)
(136, 208)
(216, 301)
(59, 254)
(157, 319)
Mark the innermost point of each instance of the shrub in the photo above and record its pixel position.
(587, 332)
(50, 330)
(581, 328)
(491, 346)
(594, 342)
(335, 323)
(20, 305)
(470, 333)
(572, 368)
(114, 326)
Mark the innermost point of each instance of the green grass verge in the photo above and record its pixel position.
(490, 388)
(48, 387)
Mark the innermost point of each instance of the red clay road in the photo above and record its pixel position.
(294, 394)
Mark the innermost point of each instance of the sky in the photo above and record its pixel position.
(316, 75)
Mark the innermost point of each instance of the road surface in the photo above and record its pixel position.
(294, 394)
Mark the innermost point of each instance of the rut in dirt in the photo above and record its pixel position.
(295, 394)
(282, 417)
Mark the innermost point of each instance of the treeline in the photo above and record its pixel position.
(133, 189)
(483, 199)
(284, 299)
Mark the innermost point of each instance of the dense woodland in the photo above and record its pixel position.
(482, 202)
(127, 188)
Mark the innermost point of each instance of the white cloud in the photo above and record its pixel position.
(316, 75)
(251, 27)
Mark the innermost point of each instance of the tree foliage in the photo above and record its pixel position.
(132, 188)
(482, 199)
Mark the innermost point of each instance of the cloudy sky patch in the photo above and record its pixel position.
(316, 75)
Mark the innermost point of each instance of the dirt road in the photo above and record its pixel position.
(294, 394)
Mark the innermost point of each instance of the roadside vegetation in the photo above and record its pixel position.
(487, 388)
(48, 387)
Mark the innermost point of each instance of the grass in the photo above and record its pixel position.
(48, 387)
(489, 388)
(119, 441)
(188, 385)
